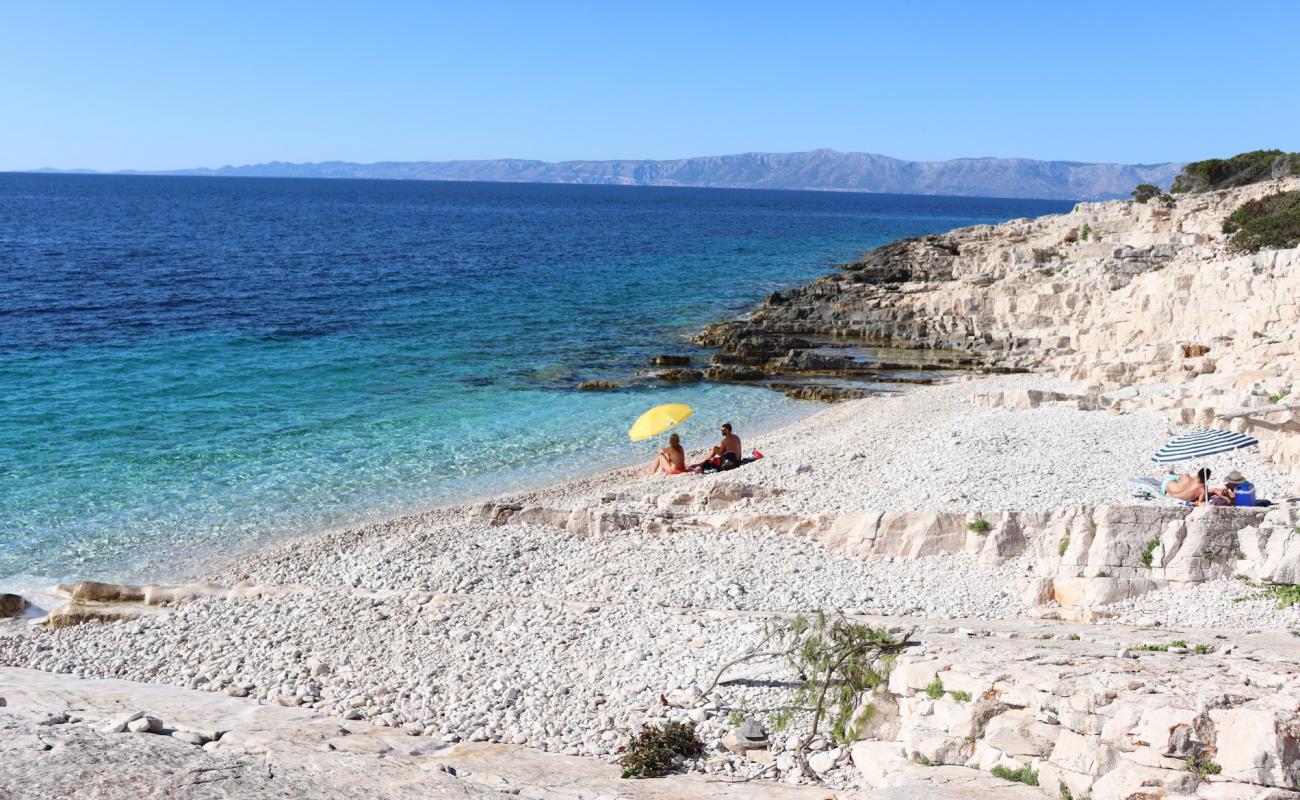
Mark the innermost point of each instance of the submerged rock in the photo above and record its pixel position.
(598, 386)
(11, 605)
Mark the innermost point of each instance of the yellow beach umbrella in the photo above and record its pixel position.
(657, 420)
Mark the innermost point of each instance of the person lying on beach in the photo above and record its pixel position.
(671, 459)
(1227, 494)
(727, 452)
(1190, 488)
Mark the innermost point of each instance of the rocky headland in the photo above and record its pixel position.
(1053, 635)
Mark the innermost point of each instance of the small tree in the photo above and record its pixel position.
(837, 661)
(1145, 192)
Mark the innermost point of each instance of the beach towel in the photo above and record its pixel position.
(1149, 489)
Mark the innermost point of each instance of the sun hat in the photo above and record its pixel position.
(1234, 477)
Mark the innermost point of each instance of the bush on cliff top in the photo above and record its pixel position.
(1271, 221)
(1240, 170)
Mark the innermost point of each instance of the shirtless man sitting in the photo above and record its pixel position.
(728, 450)
(1186, 487)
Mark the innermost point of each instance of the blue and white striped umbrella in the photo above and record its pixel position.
(1202, 443)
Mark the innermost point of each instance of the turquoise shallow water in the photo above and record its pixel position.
(189, 364)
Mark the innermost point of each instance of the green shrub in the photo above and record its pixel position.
(651, 752)
(1271, 221)
(1065, 545)
(1148, 551)
(935, 690)
(1240, 170)
(1085, 232)
(1178, 643)
(1203, 766)
(960, 696)
(1023, 775)
(1145, 192)
(980, 525)
(1074, 637)
(1201, 649)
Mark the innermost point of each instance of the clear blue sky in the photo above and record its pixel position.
(112, 85)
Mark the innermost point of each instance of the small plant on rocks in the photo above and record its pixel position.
(960, 696)
(1284, 594)
(980, 525)
(1148, 551)
(1074, 637)
(1201, 649)
(1024, 775)
(1203, 766)
(935, 690)
(1065, 545)
(652, 752)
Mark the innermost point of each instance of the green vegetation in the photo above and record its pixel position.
(1151, 648)
(1085, 232)
(1270, 221)
(1178, 643)
(1145, 192)
(1101, 573)
(1074, 637)
(1284, 594)
(960, 696)
(1201, 649)
(841, 660)
(651, 752)
(1065, 545)
(1023, 775)
(935, 690)
(1279, 397)
(1203, 766)
(980, 525)
(1240, 170)
(1147, 552)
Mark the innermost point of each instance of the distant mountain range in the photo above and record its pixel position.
(821, 170)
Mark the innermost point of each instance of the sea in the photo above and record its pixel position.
(190, 366)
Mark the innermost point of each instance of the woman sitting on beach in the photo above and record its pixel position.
(671, 459)
(1190, 488)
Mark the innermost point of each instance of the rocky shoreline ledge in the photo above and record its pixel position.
(1063, 639)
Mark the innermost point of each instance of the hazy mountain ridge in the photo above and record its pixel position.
(825, 170)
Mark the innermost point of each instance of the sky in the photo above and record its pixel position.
(166, 85)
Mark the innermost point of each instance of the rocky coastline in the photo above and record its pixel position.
(1063, 637)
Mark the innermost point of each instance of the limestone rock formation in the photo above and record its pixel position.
(1147, 304)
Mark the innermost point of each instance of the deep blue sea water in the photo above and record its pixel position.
(190, 364)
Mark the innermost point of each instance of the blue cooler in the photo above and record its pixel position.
(1245, 494)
